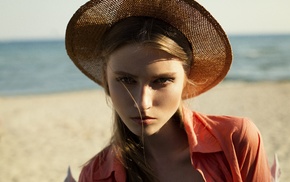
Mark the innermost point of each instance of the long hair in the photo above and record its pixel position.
(157, 34)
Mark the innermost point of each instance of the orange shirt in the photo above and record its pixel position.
(222, 148)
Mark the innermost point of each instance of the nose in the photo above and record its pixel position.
(144, 98)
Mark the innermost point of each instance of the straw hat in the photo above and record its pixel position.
(210, 46)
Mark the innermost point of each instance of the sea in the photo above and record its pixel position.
(42, 66)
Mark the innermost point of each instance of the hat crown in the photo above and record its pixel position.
(210, 46)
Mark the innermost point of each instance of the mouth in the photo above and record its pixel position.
(144, 120)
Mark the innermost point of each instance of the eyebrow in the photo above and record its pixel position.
(124, 73)
(166, 74)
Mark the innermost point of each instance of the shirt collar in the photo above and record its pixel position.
(200, 137)
(199, 131)
(109, 167)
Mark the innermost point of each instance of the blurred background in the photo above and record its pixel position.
(33, 57)
(44, 126)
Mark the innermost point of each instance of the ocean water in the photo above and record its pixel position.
(35, 67)
(260, 58)
(38, 67)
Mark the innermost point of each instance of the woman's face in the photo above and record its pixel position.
(148, 78)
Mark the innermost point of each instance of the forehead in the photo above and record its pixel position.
(140, 55)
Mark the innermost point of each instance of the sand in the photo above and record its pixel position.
(41, 135)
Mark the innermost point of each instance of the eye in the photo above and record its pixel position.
(164, 80)
(126, 80)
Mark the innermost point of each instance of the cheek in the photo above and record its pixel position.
(119, 96)
(171, 98)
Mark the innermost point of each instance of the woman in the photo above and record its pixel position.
(149, 56)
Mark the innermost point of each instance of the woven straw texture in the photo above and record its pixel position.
(211, 49)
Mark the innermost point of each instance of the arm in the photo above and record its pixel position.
(251, 154)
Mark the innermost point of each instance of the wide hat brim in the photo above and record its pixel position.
(210, 46)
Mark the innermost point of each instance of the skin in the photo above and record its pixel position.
(151, 77)
(149, 82)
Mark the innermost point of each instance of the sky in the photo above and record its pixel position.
(38, 19)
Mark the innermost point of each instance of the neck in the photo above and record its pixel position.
(169, 143)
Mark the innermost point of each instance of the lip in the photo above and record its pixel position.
(146, 120)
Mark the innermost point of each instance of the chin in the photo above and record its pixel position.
(148, 133)
(145, 133)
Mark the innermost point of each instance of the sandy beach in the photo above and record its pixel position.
(41, 135)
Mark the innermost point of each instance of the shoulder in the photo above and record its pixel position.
(238, 133)
(242, 131)
(241, 142)
(223, 132)
(238, 128)
(103, 166)
(247, 147)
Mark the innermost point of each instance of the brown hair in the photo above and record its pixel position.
(149, 32)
